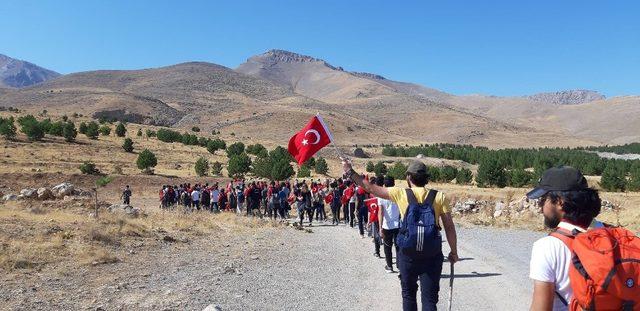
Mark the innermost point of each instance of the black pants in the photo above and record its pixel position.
(335, 210)
(352, 216)
(320, 212)
(310, 214)
(389, 241)
(427, 271)
(363, 215)
(345, 212)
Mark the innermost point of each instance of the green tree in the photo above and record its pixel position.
(92, 130)
(398, 171)
(613, 178)
(8, 128)
(56, 128)
(139, 133)
(262, 167)
(239, 165)
(202, 167)
(127, 145)
(434, 173)
(369, 167)
(280, 153)
(69, 132)
(304, 171)
(448, 173)
(150, 133)
(216, 168)
(235, 149)
(518, 178)
(380, 169)
(464, 176)
(321, 166)
(634, 180)
(31, 127)
(281, 169)
(121, 130)
(491, 173)
(105, 130)
(146, 161)
(256, 149)
(82, 128)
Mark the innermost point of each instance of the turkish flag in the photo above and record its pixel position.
(313, 137)
(372, 204)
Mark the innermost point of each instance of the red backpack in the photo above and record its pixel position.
(605, 269)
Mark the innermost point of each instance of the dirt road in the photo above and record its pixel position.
(331, 268)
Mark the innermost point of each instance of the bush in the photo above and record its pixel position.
(195, 129)
(380, 169)
(167, 136)
(139, 133)
(215, 145)
(304, 171)
(321, 166)
(146, 161)
(256, 149)
(369, 167)
(279, 153)
(31, 127)
(448, 173)
(634, 180)
(239, 165)
(202, 167)
(398, 171)
(127, 145)
(7, 128)
(150, 133)
(491, 173)
(519, 178)
(89, 168)
(189, 139)
(216, 168)
(235, 149)
(103, 181)
(82, 128)
(613, 178)
(56, 128)
(464, 176)
(121, 130)
(69, 132)
(92, 130)
(105, 130)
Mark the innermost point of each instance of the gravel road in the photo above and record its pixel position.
(331, 268)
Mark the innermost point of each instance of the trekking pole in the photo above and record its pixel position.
(451, 286)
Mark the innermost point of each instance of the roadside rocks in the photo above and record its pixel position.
(125, 209)
(29, 193)
(44, 194)
(10, 197)
(63, 189)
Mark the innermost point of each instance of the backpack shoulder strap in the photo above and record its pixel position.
(431, 196)
(411, 197)
(566, 237)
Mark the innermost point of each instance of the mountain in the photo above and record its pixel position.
(571, 97)
(17, 73)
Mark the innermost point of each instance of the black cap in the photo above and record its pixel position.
(417, 167)
(561, 178)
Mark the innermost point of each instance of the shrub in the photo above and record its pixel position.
(31, 127)
(121, 130)
(82, 128)
(89, 168)
(56, 128)
(634, 180)
(7, 128)
(146, 161)
(281, 169)
(304, 171)
(518, 178)
(448, 173)
(256, 149)
(369, 167)
(235, 149)
(139, 133)
(105, 130)
(103, 181)
(202, 167)
(150, 133)
(168, 136)
(92, 130)
(613, 178)
(69, 132)
(195, 129)
(380, 169)
(491, 173)
(127, 145)
(216, 168)
(398, 171)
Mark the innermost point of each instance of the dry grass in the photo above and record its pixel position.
(63, 237)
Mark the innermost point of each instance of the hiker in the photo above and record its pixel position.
(195, 198)
(373, 225)
(255, 193)
(569, 206)
(389, 220)
(336, 196)
(223, 201)
(421, 210)
(349, 199)
(361, 208)
(303, 203)
(239, 199)
(126, 195)
(215, 198)
(205, 198)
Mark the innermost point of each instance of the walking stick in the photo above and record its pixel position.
(451, 286)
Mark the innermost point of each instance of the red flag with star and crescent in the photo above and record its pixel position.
(313, 137)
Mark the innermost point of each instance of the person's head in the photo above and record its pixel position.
(417, 174)
(373, 180)
(563, 194)
(127, 187)
(389, 181)
(380, 181)
(304, 188)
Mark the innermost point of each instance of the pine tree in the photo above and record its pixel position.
(321, 166)
(127, 145)
(8, 128)
(491, 173)
(121, 130)
(69, 132)
(370, 167)
(613, 178)
(380, 169)
(202, 167)
(304, 172)
(92, 130)
(216, 168)
(239, 165)
(147, 161)
(464, 176)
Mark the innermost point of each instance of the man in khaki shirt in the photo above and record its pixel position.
(412, 268)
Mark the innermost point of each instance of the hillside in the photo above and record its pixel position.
(17, 73)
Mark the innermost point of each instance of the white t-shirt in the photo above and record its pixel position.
(550, 262)
(215, 195)
(195, 195)
(391, 214)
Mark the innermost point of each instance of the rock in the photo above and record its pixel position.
(212, 307)
(29, 193)
(420, 156)
(359, 153)
(124, 209)
(44, 194)
(499, 206)
(497, 214)
(10, 197)
(63, 189)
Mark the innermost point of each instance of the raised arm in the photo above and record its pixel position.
(380, 192)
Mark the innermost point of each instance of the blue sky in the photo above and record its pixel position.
(462, 47)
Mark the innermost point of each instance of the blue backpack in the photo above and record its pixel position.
(419, 233)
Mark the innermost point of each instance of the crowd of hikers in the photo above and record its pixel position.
(567, 273)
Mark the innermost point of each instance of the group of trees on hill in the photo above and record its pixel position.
(622, 149)
(35, 130)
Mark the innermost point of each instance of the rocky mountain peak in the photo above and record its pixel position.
(18, 73)
(275, 56)
(570, 97)
(368, 75)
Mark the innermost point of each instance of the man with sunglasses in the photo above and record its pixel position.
(568, 205)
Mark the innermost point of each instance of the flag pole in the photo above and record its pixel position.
(326, 128)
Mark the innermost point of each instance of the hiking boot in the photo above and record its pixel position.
(389, 269)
